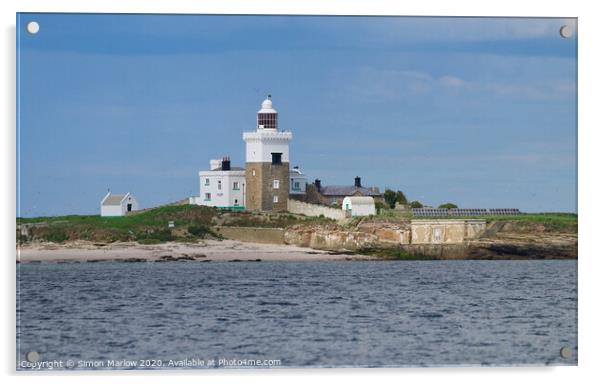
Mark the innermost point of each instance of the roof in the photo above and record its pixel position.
(360, 200)
(267, 106)
(231, 169)
(113, 199)
(347, 190)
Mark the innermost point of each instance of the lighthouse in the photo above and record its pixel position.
(267, 162)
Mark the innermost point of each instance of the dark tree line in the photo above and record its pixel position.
(393, 198)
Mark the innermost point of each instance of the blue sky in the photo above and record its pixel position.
(476, 111)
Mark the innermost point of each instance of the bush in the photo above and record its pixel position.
(416, 204)
(55, 235)
(149, 241)
(390, 197)
(158, 235)
(400, 198)
(448, 206)
(199, 231)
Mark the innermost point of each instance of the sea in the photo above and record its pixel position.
(274, 315)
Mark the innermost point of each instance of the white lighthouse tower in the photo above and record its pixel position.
(267, 162)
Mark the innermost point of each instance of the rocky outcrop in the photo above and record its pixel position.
(393, 233)
(329, 238)
(522, 250)
(500, 240)
(491, 251)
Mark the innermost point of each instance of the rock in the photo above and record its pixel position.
(132, 260)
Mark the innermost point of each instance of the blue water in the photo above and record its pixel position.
(304, 314)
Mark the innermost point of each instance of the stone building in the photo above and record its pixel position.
(334, 194)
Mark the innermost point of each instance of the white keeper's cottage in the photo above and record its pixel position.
(118, 204)
(222, 186)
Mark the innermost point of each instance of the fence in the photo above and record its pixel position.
(463, 212)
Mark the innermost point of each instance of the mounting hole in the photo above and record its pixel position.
(566, 31)
(566, 352)
(32, 356)
(33, 27)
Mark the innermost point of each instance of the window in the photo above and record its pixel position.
(206, 181)
(219, 184)
(276, 158)
(235, 202)
(276, 184)
(253, 172)
(275, 198)
(235, 185)
(207, 197)
(296, 186)
(267, 120)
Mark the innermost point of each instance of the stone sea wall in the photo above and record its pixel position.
(252, 234)
(445, 231)
(301, 208)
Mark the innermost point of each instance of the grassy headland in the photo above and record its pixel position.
(536, 235)
(191, 222)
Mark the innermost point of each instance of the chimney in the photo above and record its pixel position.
(226, 163)
(358, 181)
(214, 164)
(318, 184)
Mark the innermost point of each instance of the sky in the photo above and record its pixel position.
(480, 112)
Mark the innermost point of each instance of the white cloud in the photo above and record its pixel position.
(379, 85)
(452, 81)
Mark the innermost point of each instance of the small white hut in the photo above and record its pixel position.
(118, 205)
(359, 206)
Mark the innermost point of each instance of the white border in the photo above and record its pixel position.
(589, 181)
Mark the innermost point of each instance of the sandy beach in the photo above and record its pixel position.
(208, 250)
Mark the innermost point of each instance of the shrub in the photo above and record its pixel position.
(416, 204)
(400, 198)
(158, 235)
(448, 206)
(149, 241)
(55, 235)
(390, 197)
(199, 230)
